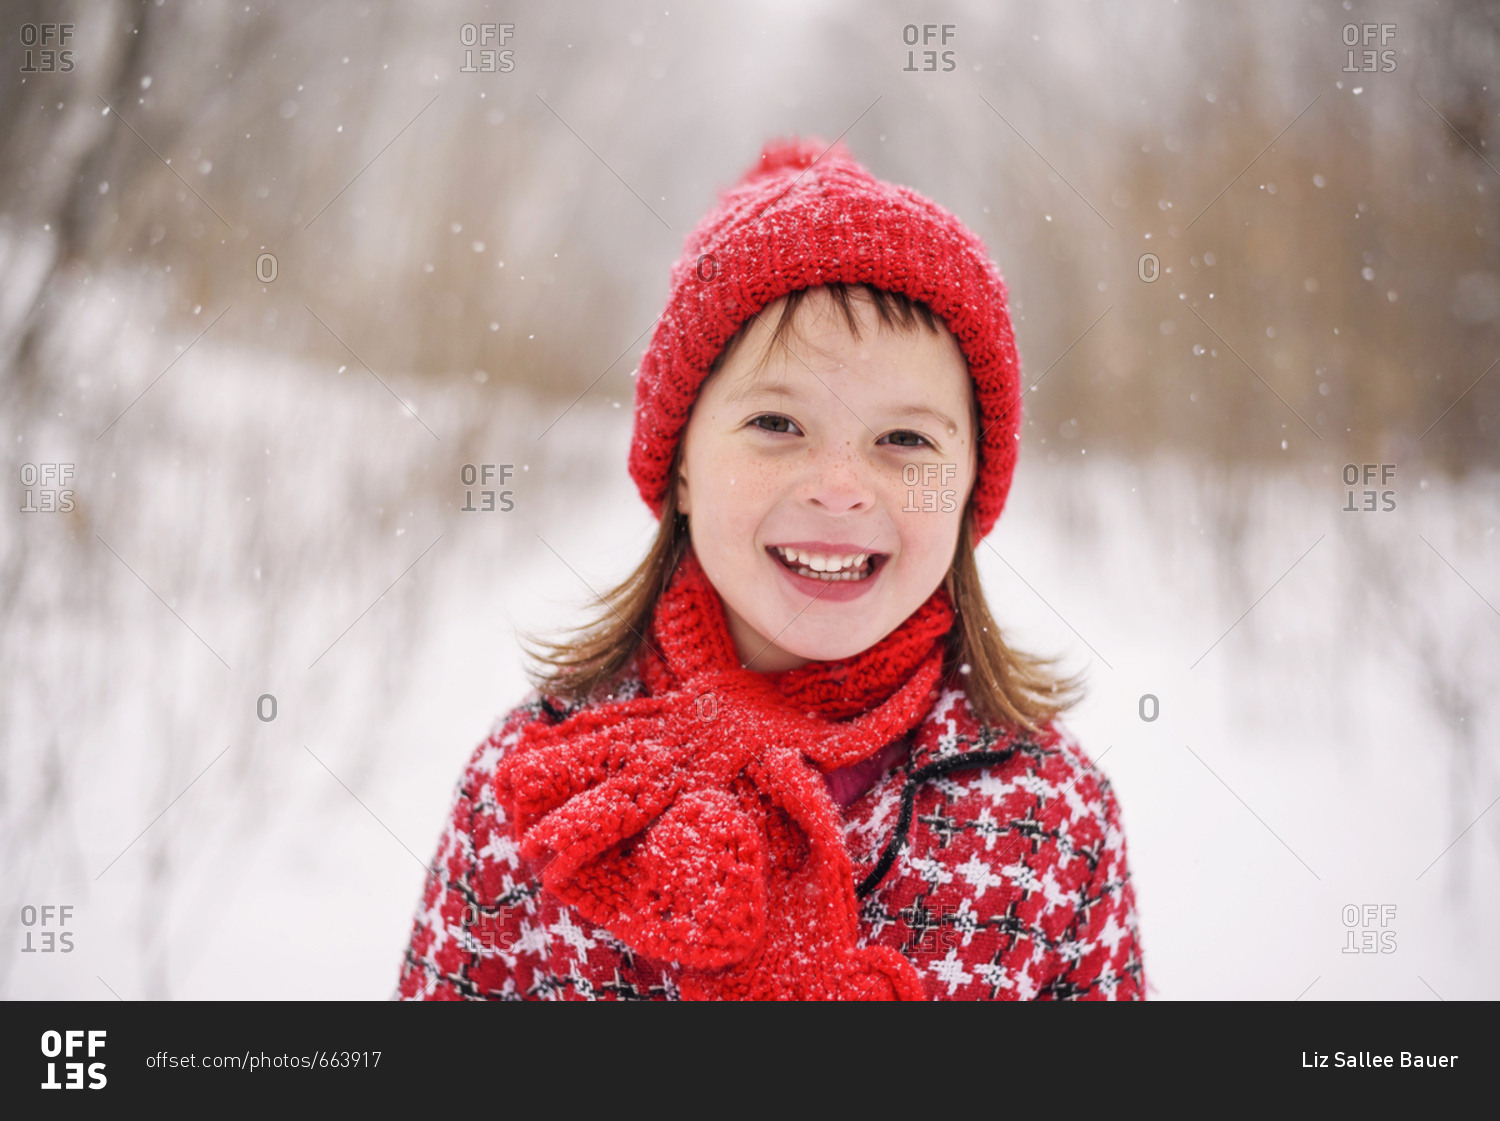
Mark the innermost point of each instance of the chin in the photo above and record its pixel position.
(828, 644)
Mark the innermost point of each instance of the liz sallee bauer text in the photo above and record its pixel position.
(1370, 1059)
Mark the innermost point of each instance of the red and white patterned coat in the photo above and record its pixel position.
(994, 861)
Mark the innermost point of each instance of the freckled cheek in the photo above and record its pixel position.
(751, 482)
(739, 494)
(927, 536)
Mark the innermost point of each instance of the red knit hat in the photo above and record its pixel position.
(804, 215)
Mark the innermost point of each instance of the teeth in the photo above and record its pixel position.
(849, 567)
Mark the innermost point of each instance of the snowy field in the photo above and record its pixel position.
(1333, 746)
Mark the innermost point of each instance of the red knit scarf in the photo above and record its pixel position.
(694, 822)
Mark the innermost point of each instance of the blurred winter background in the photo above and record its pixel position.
(275, 273)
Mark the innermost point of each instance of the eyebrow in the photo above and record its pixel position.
(760, 386)
(928, 411)
(764, 389)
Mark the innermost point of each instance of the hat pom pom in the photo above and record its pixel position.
(794, 153)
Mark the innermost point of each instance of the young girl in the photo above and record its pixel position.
(792, 757)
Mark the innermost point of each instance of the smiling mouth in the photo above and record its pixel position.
(827, 567)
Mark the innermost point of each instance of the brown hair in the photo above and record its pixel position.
(1004, 685)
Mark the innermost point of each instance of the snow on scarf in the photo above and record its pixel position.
(694, 822)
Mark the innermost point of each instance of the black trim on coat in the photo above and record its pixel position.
(942, 767)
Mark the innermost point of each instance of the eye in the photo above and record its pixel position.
(906, 439)
(774, 422)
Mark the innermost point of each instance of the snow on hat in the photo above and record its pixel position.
(808, 214)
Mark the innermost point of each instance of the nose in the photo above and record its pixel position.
(837, 482)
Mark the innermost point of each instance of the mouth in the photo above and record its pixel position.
(829, 564)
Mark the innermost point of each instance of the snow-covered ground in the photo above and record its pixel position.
(1320, 751)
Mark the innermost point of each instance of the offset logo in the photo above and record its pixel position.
(47, 490)
(935, 482)
(484, 474)
(1361, 921)
(491, 59)
(57, 941)
(1354, 32)
(1366, 501)
(928, 33)
(49, 36)
(66, 1045)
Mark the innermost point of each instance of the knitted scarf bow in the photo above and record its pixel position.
(694, 822)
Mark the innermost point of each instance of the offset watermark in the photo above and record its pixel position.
(933, 482)
(67, 1044)
(45, 53)
(706, 708)
(1148, 268)
(45, 928)
(932, 60)
(1364, 41)
(486, 42)
(1373, 498)
(490, 500)
(1367, 928)
(490, 928)
(1149, 704)
(936, 929)
(46, 488)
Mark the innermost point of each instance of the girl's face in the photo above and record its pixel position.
(824, 491)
